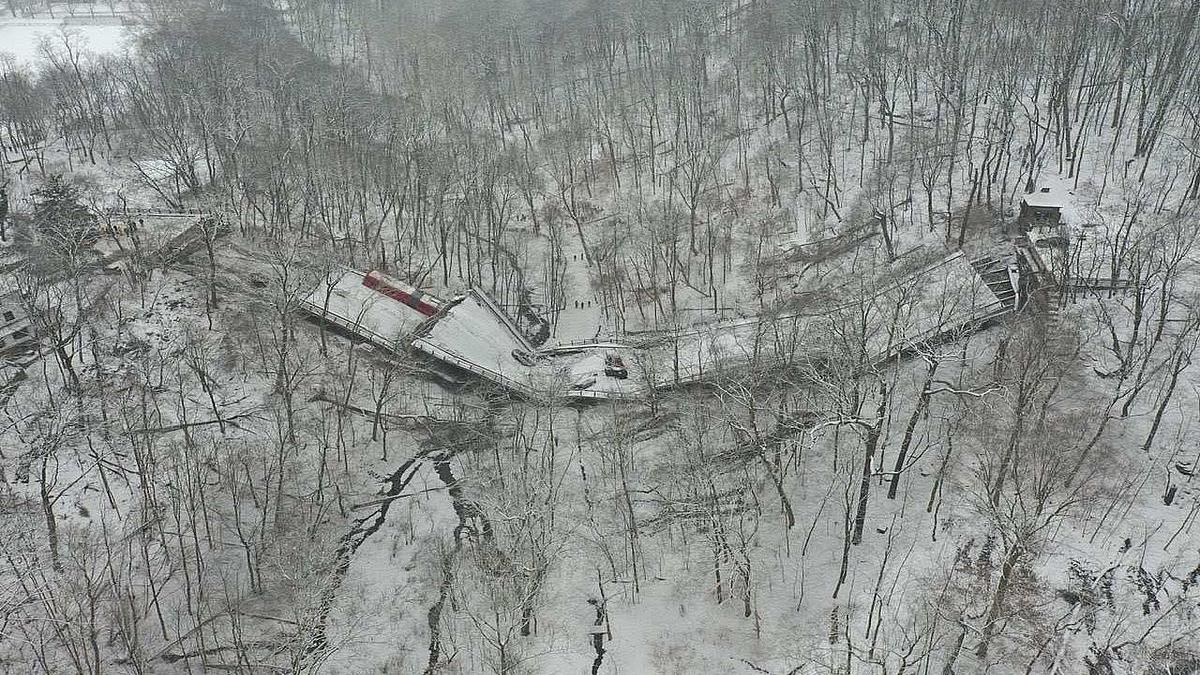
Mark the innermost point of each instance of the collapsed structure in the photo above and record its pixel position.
(473, 334)
(398, 290)
(347, 301)
(470, 332)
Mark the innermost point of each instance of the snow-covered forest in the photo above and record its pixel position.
(600, 337)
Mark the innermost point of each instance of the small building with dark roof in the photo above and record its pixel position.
(1042, 209)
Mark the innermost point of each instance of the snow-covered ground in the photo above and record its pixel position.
(24, 41)
(700, 531)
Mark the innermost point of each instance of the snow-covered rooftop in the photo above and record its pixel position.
(1048, 197)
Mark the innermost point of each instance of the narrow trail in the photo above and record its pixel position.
(525, 300)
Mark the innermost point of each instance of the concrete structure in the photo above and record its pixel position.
(472, 333)
(939, 301)
(345, 301)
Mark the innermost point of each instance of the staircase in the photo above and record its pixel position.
(1059, 341)
(994, 271)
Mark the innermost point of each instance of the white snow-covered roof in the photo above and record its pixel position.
(1047, 197)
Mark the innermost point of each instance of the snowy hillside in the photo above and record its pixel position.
(657, 337)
